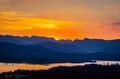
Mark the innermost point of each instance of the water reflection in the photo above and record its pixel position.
(5, 67)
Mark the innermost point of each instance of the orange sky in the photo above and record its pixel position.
(61, 19)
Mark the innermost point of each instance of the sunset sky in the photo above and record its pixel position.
(61, 19)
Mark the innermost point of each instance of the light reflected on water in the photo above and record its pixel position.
(5, 67)
(107, 62)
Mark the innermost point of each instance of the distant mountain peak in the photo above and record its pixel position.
(86, 39)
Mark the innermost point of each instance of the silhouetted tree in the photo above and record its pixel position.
(76, 72)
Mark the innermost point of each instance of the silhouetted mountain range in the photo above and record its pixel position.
(66, 46)
(44, 50)
(25, 40)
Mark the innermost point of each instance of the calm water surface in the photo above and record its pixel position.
(5, 67)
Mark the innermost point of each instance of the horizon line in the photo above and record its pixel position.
(58, 39)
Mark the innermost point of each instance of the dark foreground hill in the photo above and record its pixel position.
(76, 72)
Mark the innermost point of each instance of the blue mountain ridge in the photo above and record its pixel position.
(48, 50)
(66, 46)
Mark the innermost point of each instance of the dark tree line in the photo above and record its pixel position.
(75, 72)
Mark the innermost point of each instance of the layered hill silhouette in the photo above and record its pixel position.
(77, 46)
(42, 49)
(36, 54)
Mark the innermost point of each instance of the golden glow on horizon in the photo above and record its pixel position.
(15, 25)
(18, 24)
(61, 19)
(10, 21)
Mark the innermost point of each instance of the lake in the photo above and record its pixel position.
(6, 67)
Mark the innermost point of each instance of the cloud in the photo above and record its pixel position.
(112, 25)
(64, 9)
(83, 16)
(12, 20)
(117, 23)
